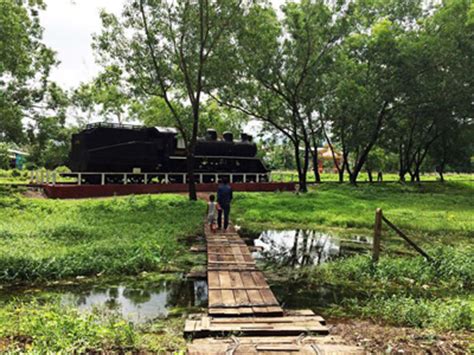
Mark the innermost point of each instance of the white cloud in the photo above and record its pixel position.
(69, 26)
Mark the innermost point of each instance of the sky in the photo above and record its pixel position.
(68, 29)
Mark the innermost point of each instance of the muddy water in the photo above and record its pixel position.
(297, 248)
(136, 302)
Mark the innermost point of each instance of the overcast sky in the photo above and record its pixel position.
(68, 28)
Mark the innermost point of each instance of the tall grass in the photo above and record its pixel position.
(442, 314)
(404, 291)
(42, 239)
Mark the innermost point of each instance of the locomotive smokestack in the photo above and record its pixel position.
(228, 137)
(211, 135)
(244, 137)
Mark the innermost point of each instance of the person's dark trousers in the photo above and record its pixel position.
(226, 211)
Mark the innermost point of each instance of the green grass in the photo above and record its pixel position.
(288, 175)
(14, 176)
(400, 290)
(53, 239)
(431, 211)
(49, 327)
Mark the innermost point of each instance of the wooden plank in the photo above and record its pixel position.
(215, 298)
(240, 288)
(268, 296)
(228, 297)
(248, 279)
(241, 297)
(285, 319)
(232, 262)
(300, 312)
(213, 280)
(255, 297)
(236, 279)
(282, 347)
(225, 281)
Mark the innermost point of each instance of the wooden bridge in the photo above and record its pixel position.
(244, 316)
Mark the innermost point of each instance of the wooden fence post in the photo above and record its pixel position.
(404, 236)
(377, 235)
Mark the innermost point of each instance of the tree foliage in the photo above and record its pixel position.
(173, 50)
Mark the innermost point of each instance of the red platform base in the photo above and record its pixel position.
(84, 191)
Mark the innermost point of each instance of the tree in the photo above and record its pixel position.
(365, 100)
(173, 50)
(25, 63)
(154, 112)
(280, 64)
(4, 156)
(439, 97)
(454, 149)
(105, 96)
(49, 142)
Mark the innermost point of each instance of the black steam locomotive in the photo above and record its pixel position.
(111, 153)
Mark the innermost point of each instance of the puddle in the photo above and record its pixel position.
(136, 303)
(299, 247)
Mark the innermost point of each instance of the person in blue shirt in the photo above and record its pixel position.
(224, 198)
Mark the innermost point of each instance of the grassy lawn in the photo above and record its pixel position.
(436, 210)
(288, 175)
(60, 239)
(43, 240)
(403, 289)
(54, 239)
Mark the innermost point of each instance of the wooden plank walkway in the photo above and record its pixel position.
(272, 345)
(236, 287)
(241, 302)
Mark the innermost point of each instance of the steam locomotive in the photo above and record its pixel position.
(115, 153)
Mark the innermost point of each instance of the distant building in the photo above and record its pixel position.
(17, 158)
(326, 159)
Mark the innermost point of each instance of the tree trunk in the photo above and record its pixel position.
(353, 177)
(440, 170)
(191, 180)
(317, 176)
(369, 174)
(340, 172)
(302, 180)
(300, 168)
(380, 177)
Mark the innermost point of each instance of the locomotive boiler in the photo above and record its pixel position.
(112, 153)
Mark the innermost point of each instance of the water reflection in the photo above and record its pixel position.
(299, 247)
(138, 304)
